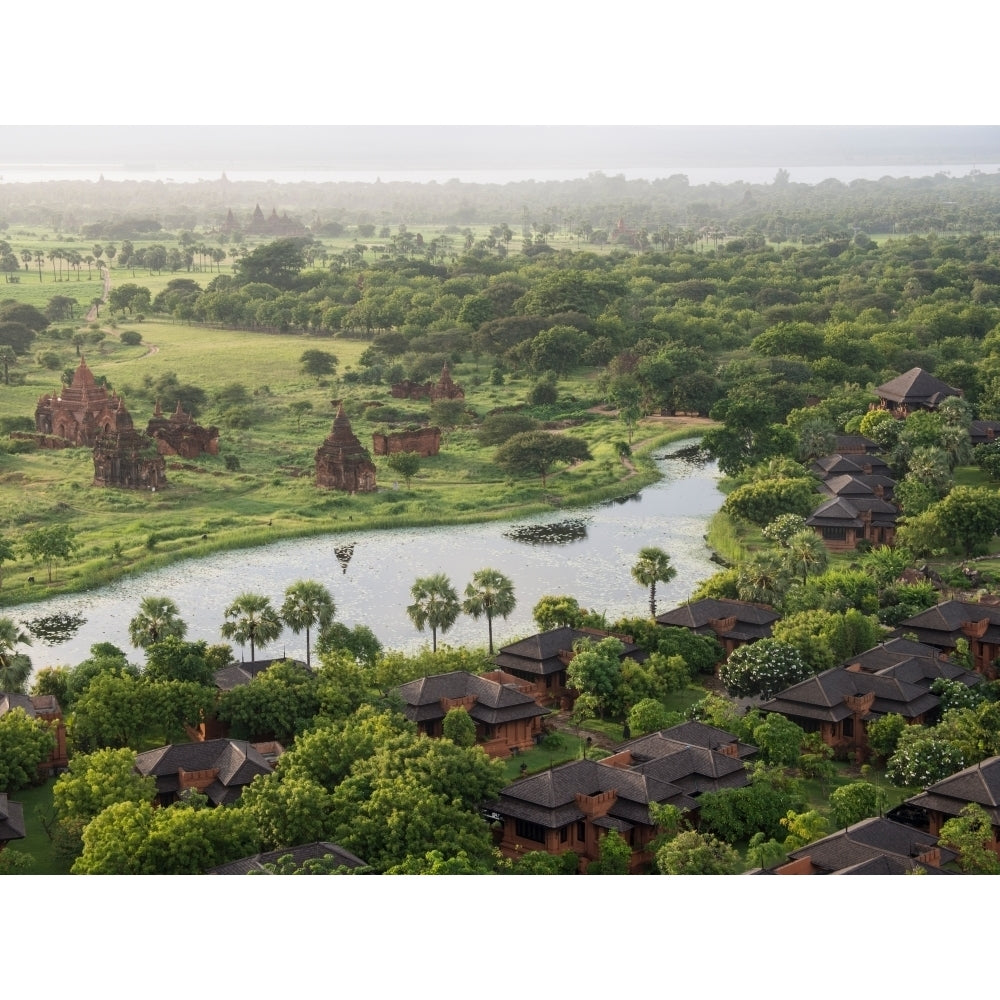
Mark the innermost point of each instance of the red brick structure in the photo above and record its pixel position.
(80, 412)
(126, 458)
(444, 388)
(342, 463)
(179, 434)
(425, 442)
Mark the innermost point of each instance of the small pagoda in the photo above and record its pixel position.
(126, 458)
(180, 434)
(342, 462)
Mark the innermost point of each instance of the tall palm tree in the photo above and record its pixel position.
(15, 668)
(435, 603)
(307, 603)
(652, 567)
(806, 553)
(157, 618)
(490, 593)
(251, 618)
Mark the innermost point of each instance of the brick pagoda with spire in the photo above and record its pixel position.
(342, 462)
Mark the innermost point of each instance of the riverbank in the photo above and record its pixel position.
(167, 533)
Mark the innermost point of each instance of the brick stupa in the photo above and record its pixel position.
(342, 462)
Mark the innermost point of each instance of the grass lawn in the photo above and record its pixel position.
(37, 802)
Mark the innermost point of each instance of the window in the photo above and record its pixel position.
(529, 831)
(581, 831)
(848, 727)
(563, 834)
(835, 533)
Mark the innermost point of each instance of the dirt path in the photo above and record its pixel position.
(93, 312)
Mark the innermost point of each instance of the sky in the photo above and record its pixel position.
(520, 62)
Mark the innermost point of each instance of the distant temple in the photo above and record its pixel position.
(342, 463)
(127, 458)
(179, 434)
(444, 388)
(81, 412)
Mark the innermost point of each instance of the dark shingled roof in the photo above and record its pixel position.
(539, 654)
(237, 762)
(752, 621)
(495, 703)
(867, 841)
(844, 512)
(916, 388)
(821, 697)
(941, 625)
(979, 783)
(234, 675)
(11, 819)
(300, 854)
(911, 662)
(850, 465)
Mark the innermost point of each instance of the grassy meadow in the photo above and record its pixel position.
(266, 491)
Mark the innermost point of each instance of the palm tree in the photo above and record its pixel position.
(490, 593)
(158, 618)
(251, 618)
(435, 603)
(652, 567)
(806, 552)
(307, 603)
(15, 668)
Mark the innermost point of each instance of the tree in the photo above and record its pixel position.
(849, 804)
(762, 669)
(536, 452)
(94, 781)
(15, 668)
(970, 516)
(318, 363)
(489, 593)
(650, 568)
(921, 758)
(157, 618)
(694, 853)
(969, 833)
(459, 727)
(277, 704)
(647, 716)
(435, 603)
(51, 542)
(185, 838)
(613, 855)
(405, 464)
(552, 611)
(806, 553)
(307, 604)
(299, 409)
(8, 357)
(277, 263)
(173, 659)
(251, 618)
(25, 744)
(497, 428)
(596, 670)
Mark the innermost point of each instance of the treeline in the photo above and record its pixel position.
(599, 204)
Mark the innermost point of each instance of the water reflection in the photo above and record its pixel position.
(370, 573)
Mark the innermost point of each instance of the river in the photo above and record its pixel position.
(588, 554)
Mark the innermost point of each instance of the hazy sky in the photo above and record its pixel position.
(526, 62)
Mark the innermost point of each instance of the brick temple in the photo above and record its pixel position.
(180, 434)
(342, 462)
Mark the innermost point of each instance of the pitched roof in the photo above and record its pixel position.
(494, 702)
(539, 654)
(11, 819)
(852, 465)
(916, 388)
(979, 783)
(942, 624)
(236, 761)
(234, 675)
(875, 839)
(912, 662)
(711, 616)
(300, 854)
(845, 512)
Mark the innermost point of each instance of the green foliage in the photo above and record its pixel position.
(489, 594)
(158, 618)
(251, 618)
(783, 527)
(173, 659)
(761, 503)
(459, 727)
(613, 855)
(828, 638)
(969, 833)
(94, 781)
(405, 464)
(652, 566)
(496, 428)
(735, 814)
(694, 853)
(762, 669)
(537, 452)
(278, 703)
(307, 605)
(596, 670)
(849, 804)
(318, 363)
(647, 716)
(130, 838)
(803, 828)
(921, 758)
(50, 542)
(25, 743)
(779, 740)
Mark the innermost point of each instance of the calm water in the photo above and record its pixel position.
(374, 587)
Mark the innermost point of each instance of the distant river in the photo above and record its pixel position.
(586, 553)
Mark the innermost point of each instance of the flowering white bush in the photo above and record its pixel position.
(923, 760)
(763, 668)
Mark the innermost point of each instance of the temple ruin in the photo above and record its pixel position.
(342, 462)
(127, 458)
(180, 434)
(444, 388)
(425, 441)
(80, 412)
